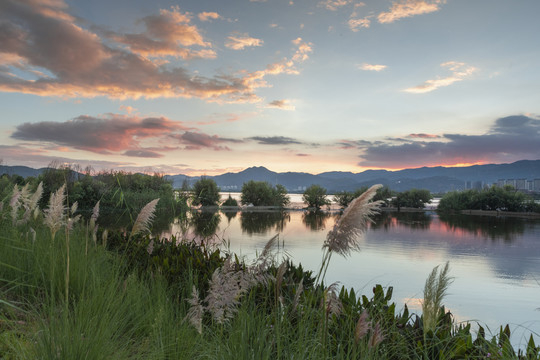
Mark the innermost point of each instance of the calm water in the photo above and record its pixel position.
(495, 261)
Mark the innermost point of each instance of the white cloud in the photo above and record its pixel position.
(371, 67)
(459, 71)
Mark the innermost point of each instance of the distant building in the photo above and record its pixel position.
(536, 185)
(500, 183)
(511, 182)
(477, 185)
(521, 184)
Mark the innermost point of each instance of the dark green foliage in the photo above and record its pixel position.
(178, 262)
(205, 192)
(315, 197)
(494, 198)
(413, 198)
(230, 202)
(262, 193)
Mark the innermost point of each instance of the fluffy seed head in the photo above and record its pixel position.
(343, 238)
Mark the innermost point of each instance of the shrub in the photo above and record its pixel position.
(261, 193)
(315, 197)
(205, 192)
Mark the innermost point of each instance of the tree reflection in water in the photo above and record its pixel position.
(414, 220)
(315, 220)
(229, 215)
(260, 222)
(205, 223)
(489, 227)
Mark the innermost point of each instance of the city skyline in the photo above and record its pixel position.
(198, 88)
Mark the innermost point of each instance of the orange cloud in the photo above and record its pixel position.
(207, 16)
(408, 8)
(459, 71)
(241, 41)
(333, 5)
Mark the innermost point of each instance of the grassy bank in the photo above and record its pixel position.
(71, 290)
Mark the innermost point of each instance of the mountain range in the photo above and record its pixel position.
(436, 179)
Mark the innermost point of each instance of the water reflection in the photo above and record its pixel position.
(494, 228)
(230, 215)
(205, 223)
(315, 220)
(261, 222)
(414, 220)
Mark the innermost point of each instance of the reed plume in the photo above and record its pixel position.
(226, 287)
(377, 336)
(144, 220)
(435, 290)
(93, 220)
(343, 238)
(332, 303)
(196, 310)
(54, 214)
(362, 326)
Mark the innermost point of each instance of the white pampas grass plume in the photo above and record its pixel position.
(196, 311)
(54, 214)
(343, 238)
(435, 290)
(14, 203)
(142, 224)
(93, 219)
(95, 212)
(226, 287)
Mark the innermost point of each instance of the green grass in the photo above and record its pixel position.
(124, 303)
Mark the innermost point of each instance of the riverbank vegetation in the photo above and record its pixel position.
(71, 289)
(491, 199)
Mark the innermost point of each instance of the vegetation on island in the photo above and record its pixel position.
(205, 192)
(262, 193)
(490, 199)
(315, 197)
(177, 298)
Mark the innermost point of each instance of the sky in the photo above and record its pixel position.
(204, 87)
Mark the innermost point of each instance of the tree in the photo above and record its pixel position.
(205, 192)
(315, 197)
(262, 193)
(230, 201)
(413, 198)
(344, 198)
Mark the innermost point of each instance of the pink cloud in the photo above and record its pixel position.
(110, 133)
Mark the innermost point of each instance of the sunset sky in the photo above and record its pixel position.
(206, 87)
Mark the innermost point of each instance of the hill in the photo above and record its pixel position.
(435, 179)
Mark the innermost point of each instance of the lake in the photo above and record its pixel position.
(495, 261)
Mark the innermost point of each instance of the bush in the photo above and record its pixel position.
(230, 201)
(493, 198)
(413, 198)
(315, 197)
(261, 193)
(205, 192)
